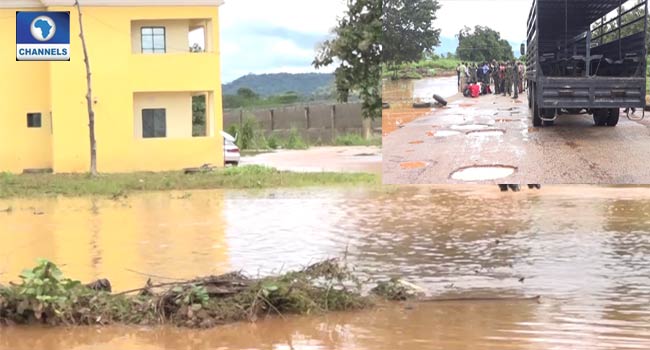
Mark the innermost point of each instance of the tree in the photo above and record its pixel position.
(482, 44)
(247, 93)
(408, 30)
(357, 47)
(89, 97)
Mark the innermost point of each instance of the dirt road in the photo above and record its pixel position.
(491, 140)
(318, 159)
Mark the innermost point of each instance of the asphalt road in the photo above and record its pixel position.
(497, 131)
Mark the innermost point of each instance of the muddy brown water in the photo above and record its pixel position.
(584, 249)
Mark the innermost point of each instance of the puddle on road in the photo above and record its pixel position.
(582, 248)
(486, 133)
(447, 133)
(469, 127)
(483, 173)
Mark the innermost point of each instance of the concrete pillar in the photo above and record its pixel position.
(272, 117)
(307, 122)
(333, 120)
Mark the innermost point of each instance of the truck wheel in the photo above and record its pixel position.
(548, 113)
(537, 121)
(614, 114)
(600, 116)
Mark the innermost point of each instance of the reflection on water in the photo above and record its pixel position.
(407, 91)
(583, 249)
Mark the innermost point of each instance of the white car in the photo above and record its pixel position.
(231, 153)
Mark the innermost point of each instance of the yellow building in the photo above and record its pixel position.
(144, 79)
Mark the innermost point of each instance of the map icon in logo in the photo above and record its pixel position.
(43, 28)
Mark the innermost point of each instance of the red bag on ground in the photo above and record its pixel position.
(475, 90)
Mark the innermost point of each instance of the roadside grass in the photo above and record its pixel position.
(356, 140)
(428, 68)
(116, 185)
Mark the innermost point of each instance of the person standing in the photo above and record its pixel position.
(495, 76)
(508, 87)
(458, 74)
(522, 77)
(515, 79)
(463, 77)
(502, 77)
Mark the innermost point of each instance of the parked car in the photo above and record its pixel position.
(231, 153)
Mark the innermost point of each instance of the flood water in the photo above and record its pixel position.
(407, 91)
(584, 250)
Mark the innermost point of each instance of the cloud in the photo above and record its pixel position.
(261, 36)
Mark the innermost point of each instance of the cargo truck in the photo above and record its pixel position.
(585, 56)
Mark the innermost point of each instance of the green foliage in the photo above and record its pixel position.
(356, 140)
(408, 31)
(198, 116)
(191, 295)
(427, 68)
(250, 136)
(273, 142)
(482, 44)
(265, 85)
(45, 292)
(357, 47)
(196, 48)
(295, 141)
(247, 93)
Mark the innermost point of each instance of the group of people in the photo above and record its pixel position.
(477, 79)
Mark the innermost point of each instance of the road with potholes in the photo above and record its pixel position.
(490, 139)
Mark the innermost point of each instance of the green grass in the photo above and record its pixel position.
(116, 185)
(422, 69)
(356, 140)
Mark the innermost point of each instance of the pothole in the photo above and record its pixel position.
(483, 172)
(470, 127)
(412, 165)
(446, 133)
(486, 132)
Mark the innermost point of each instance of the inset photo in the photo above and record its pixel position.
(555, 92)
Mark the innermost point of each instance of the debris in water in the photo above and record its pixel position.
(45, 297)
(416, 142)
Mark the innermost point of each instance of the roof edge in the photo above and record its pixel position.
(108, 3)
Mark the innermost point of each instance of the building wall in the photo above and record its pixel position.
(117, 73)
(178, 107)
(24, 88)
(313, 122)
(176, 35)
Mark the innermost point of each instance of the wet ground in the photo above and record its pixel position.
(318, 159)
(492, 133)
(583, 249)
(401, 94)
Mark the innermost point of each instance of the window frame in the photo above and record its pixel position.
(153, 114)
(33, 123)
(153, 36)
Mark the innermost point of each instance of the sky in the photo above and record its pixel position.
(262, 36)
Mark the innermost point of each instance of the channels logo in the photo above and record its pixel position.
(42, 36)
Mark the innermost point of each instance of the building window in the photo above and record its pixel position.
(154, 123)
(33, 120)
(153, 40)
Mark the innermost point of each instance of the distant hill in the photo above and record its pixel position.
(304, 84)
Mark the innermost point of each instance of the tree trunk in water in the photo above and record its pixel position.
(89, 98)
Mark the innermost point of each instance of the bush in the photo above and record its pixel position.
(295, 141)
